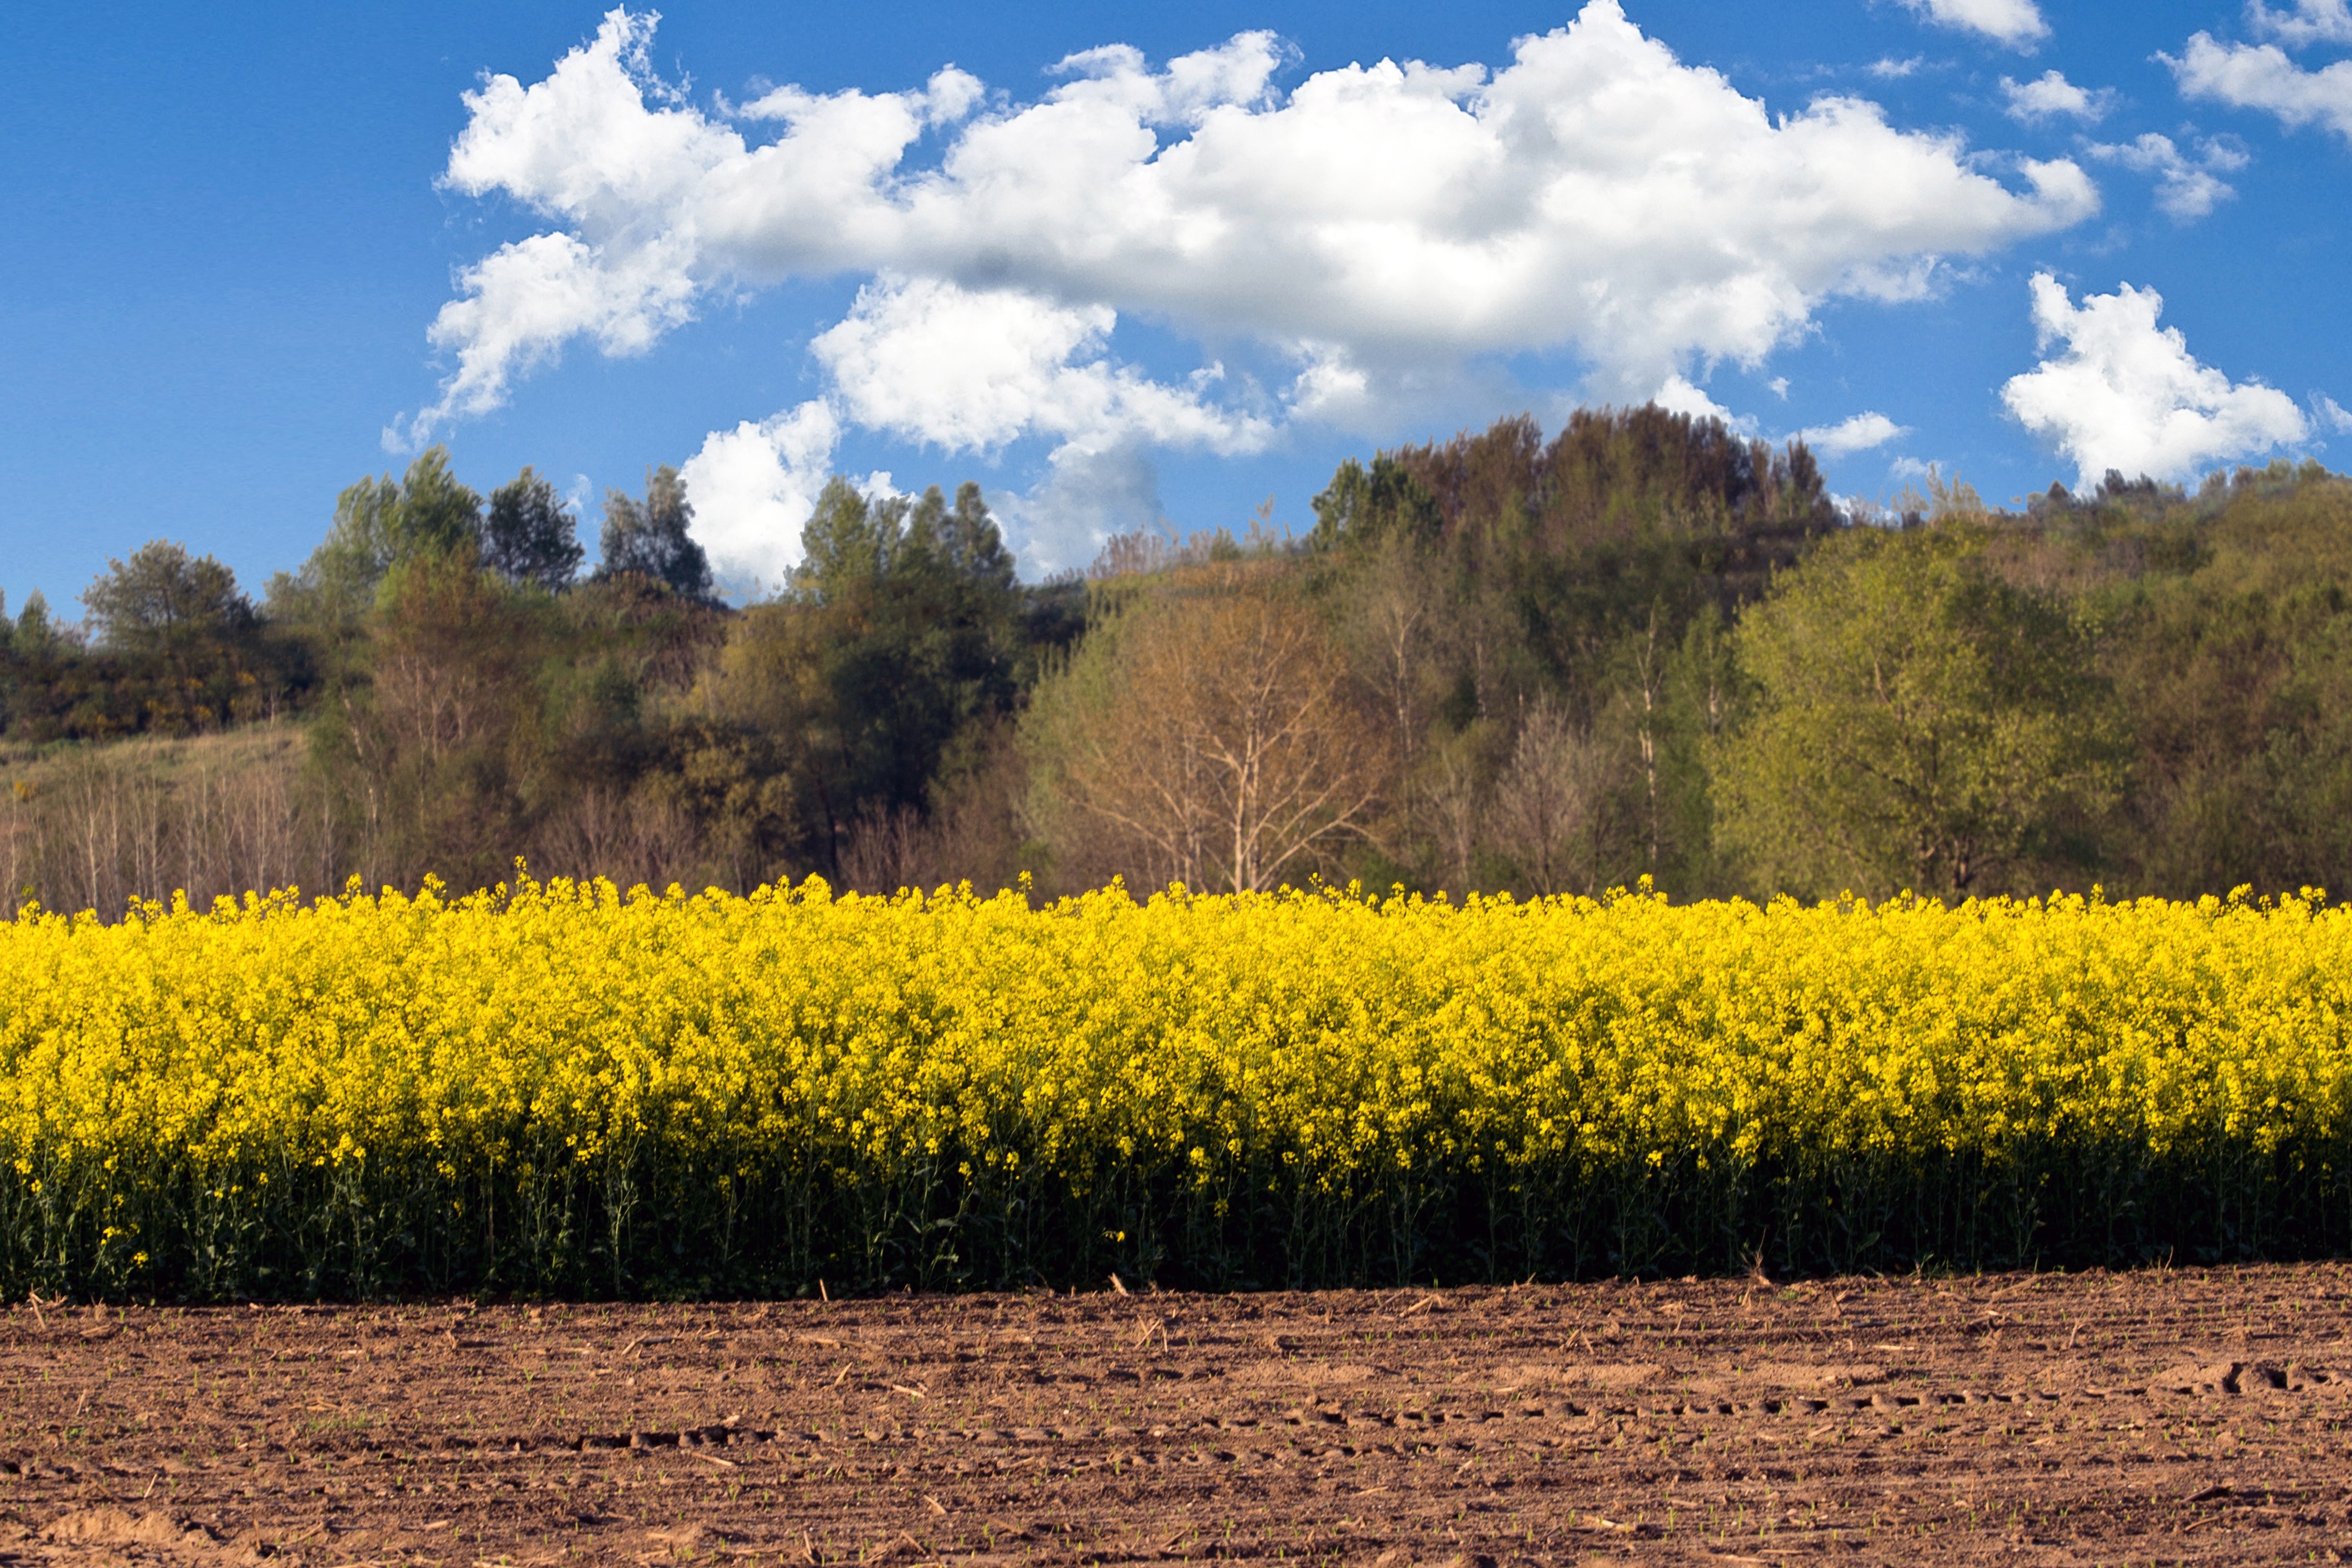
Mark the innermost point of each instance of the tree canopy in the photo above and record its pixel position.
(530, 535)
(1640, 646)
(378, 524)
(650, 538)
(162, 595)
(1917, 723)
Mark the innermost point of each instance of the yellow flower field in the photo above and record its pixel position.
(559, 1088)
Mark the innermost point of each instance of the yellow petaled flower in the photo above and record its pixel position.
(562, 1086)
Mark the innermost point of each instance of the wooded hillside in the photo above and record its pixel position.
(1642, 646)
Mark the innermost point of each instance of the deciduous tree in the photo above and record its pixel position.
(1222, 740)
(378, 524)
(1551, 800)
(1919, 723)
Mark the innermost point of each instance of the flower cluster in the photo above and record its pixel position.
(561, 1088)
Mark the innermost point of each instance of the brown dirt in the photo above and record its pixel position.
(2185, 1416)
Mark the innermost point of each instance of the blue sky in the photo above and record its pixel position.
(1118, 290)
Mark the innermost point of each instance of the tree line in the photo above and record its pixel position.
(1642, 646)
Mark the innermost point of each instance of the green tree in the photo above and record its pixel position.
(175, 633)
(965, 538)
(378, 524)
(649, 538)
(1362, 505)
(1916, 722)
(896, 646)
(530, 536)
(916, 619)
(847, 541)
(161, 597)
(854, 541)
(426, 750)
(2233, 657)
(37, 634)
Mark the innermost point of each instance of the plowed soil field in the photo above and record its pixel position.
(2160, 1416)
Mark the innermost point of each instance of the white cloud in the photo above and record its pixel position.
(1677, 394)
(2127, 395)
(1858, 433)
(2331, 414)
(1892, 69)
(1087, 498)
(1594, 194)
(753, 489)
(1332, 387)
(2260, 76)
(1384, 226)
(2050, 95)
(973, 369)
(2185, 191)
(2016, 23)
(524, 301)
(2309, 22)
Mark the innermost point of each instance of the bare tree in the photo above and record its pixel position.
(1647, 667)
(639, 836)
(20, 844)
(887, 851)
(1548, 803)
(145, 818)
(1392, 625)
(1232, 752)
(581, 839)
(1453, 801)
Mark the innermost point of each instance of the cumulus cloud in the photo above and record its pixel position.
(2127, 394)
(1371, 226)
(754, 486)
(2331, 414)
(1858, 433)
(2307, 22)
(970, 369)
(2051, 95)
(1086, 496)
(2260, 76)
(2017, 22)
(1332, 387)
(2185, 189)
(1595, 194)
(523, 301)
(1677, 394)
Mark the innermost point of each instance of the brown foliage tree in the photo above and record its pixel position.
(1222, 745)
(1552, 799)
